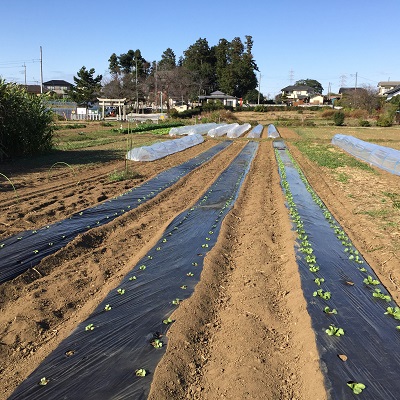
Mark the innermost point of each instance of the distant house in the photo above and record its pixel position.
(392, 93)
(317, 99)
(297, 94)
(32, 89)
(384, 87)
(225, 99)
(59, 87)
(350, 91)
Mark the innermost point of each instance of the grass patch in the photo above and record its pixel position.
(342, 177)
(118, 176)
(326, 155)
(394, 197)
(375, 213)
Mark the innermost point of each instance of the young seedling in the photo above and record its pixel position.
(204, 245)
(43, 381)
(322, 294)
(394, 312)
(141, 372)
(195, 264)
(328, 310)
(107, 307)
(362, 269)
(168, 321)
(142, 267)
(318, 281)
(89, 327)
(183, 287)
(156, 343)
(133, 278)
(334, 331)
(314, 268)
(176, 301)
(189, 274)
(356, 387)
(120, 291)
(371, 281)
(377, 293)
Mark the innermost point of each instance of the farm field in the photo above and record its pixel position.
(245, 332)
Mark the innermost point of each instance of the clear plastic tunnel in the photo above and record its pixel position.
(383, 157)
(273, 132)
(163, 149)
(221, 130)
(238, 131)
(256, 131)
(201, 129)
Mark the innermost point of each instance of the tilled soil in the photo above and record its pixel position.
(245, 331)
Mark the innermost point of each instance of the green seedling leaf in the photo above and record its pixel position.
(371, 281)
(164, 240)
(334, 331)
(150, 257)
(204, 245)
(107, 307)
(398, 327)
(43, 381)
(183, 287)
(36, 251)
(141, 372)
(394, 312)
(322, 294)
(158, 248)
(314, 268)
(378, 294)
(142, 267)
(190, 274)
(362, 269)
(318, 281)
(176, 301)
(167, 321)
(195, 264)
(328, 310)
(120, 291)
(356, 387)
(133, 278)
(156, 343)
(89, 327)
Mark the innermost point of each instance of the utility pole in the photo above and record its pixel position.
(41, 71)
(25, 74)
(137, 95)
(291, 76)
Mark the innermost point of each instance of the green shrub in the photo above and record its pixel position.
(363, 122)
(26, 124)
(384, 120)
(338, 118)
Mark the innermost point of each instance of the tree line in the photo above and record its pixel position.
(228, 66)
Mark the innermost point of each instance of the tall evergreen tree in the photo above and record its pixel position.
(168, 60)
(86, 87)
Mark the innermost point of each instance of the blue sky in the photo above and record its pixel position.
(334, 42)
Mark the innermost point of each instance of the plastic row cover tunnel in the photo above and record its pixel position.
(238, 131)
(273, 132)
(380, 156)
(353, 315)
(200, 129)
(256, 131)
(23, 251)
(126, 333)
(221, 130)
(163, 149)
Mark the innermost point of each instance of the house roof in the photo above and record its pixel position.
(32, 88)
(217, 95)
(57, 82)
(393, 92)
(292, 88)
(344, 90)
(388, 84)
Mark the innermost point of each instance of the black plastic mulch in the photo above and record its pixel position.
(101, 363)
(371, 341)
(25, 250)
